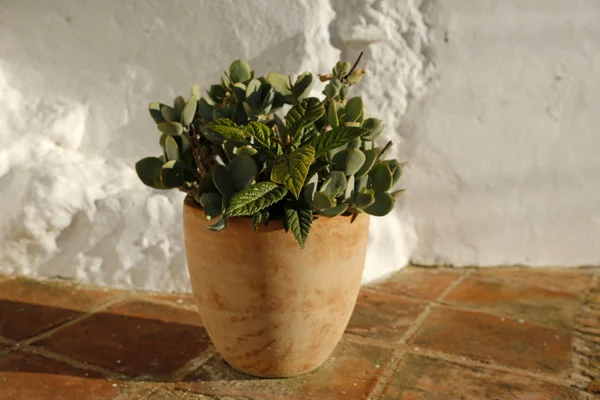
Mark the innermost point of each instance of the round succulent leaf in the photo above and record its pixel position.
(348, 161)
(349, 192)
(268, 98)
(370, 156)
(148, 170)
(361, 183)
(239, 91)
(332, 115)
(354, 109)
(244, 150)
(189, 111)
(383, 204)
(217, 93)
(253, 93)
(195, 92)
(155, 113)
(243, 170)
(222, 180)
(302, 86)
(211, 203)
(169, 113)
(396, 168)
(365, 199)
(280, 83)
(170, 128)
(172, 174)
(334, 211)
(310, 188)
(375, 128)
(355, 210)
(171, 148)
(205, 109)
(178, 105)
(218, 226)
(334, 184)
(239, 71)
(380, 177)
(207, 184)
(321, 201)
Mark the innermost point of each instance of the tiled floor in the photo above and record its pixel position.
(422, 334)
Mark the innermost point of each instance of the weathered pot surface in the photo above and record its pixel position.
(271, 308)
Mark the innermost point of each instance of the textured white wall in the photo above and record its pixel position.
(500, 122)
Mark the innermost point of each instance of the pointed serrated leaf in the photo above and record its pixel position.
(291, 169)
(262, 135)
(304, 113)
(228, 129)
(255, 198)
(299, 222)
(335, 138)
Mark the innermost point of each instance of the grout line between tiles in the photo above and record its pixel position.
(453, 285)
(193, 364)
(74, 363)
(74, 321)
(386, 375)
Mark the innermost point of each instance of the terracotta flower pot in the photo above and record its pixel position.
(271, 308)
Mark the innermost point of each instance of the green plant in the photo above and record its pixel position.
(236, 157)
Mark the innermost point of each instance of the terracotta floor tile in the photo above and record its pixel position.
(429, 379)
(20, 361)
(350, 373)
(490, 338)
(135, 338)
(518, 300)
(576, 281)
(36, 386)
(28, 307)
(420, 283)
(382, 316)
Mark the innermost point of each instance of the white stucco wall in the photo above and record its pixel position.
(494, 104)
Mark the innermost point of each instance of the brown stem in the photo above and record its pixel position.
(354, 66)
(196, 151)
(385, 148)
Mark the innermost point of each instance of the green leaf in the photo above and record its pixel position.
(207, 184)
(170, 128)
(239, 71)
(354, 109)
(222, 180)
(255, 198)
(365, 199)
(383, 204)
(396, 168)
(148, 170)
(280, 83)
(374, 126)
(334, 211)
(253, 93)
(397, 193)
(211, 202)
(189, 111)
(205, 109)
(171, 174)
(243, 171)
(262, 135)
(218, 226)
(370, 156)
(228, 129)
(310, 188)
(335, 184)
(256, 218)
(303, 113)
(291, 169)
(195, 92)
(332, 115)
(302, 86)
(335, 138)
(299, 222)
(178, 106)
(321, 201)
(380, 177)
(155, 113)
(171, 148)
(349, 161)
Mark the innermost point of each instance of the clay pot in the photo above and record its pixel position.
(271, 308)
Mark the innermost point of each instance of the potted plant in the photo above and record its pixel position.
(275, 304)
